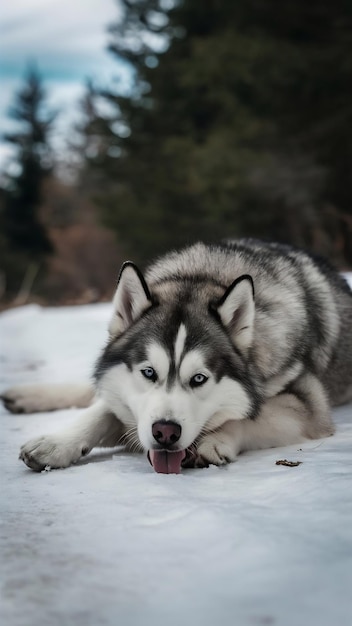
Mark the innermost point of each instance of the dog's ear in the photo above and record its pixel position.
(132, 297)
(236, 309)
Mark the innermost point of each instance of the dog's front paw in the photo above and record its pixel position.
(215, 449)
(51, 451)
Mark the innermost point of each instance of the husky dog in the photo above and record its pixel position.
(215, 350)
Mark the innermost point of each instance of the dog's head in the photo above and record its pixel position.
(176, 365)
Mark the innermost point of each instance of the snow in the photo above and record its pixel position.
(110, 542)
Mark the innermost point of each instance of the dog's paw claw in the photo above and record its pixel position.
(50, 451)
(31, 462)
(215, 449)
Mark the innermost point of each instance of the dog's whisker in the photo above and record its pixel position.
(131, 440)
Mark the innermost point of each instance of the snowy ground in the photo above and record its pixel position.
(109, 542)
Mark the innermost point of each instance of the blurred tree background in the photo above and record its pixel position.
(238, 123)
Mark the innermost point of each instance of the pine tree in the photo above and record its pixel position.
(22, 193)
(237, 124)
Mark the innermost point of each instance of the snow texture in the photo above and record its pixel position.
(108, 542)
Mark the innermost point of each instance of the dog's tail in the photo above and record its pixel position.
(39, 398)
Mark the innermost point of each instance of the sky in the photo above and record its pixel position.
(66, 40)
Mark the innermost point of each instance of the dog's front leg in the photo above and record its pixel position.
(218, 447)
(96, 425)
(283, 420)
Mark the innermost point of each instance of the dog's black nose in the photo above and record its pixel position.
(166, 432)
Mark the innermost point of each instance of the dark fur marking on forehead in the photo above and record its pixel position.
(124, 349)
(188, 279)
(171, 377)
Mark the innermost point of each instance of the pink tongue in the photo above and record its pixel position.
(166, 462)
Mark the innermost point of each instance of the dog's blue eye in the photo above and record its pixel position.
(149, 373)
(197, 380)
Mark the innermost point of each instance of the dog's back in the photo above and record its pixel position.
(303, 306)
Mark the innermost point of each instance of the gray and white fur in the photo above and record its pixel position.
(238, 346)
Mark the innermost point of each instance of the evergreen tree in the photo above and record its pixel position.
(22, 192)
(238, 123)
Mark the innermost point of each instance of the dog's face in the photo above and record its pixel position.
(176, 367)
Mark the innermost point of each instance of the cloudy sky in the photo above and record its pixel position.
(66, 39)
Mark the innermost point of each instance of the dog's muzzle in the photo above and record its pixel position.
(165, 459)
(166, 433)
